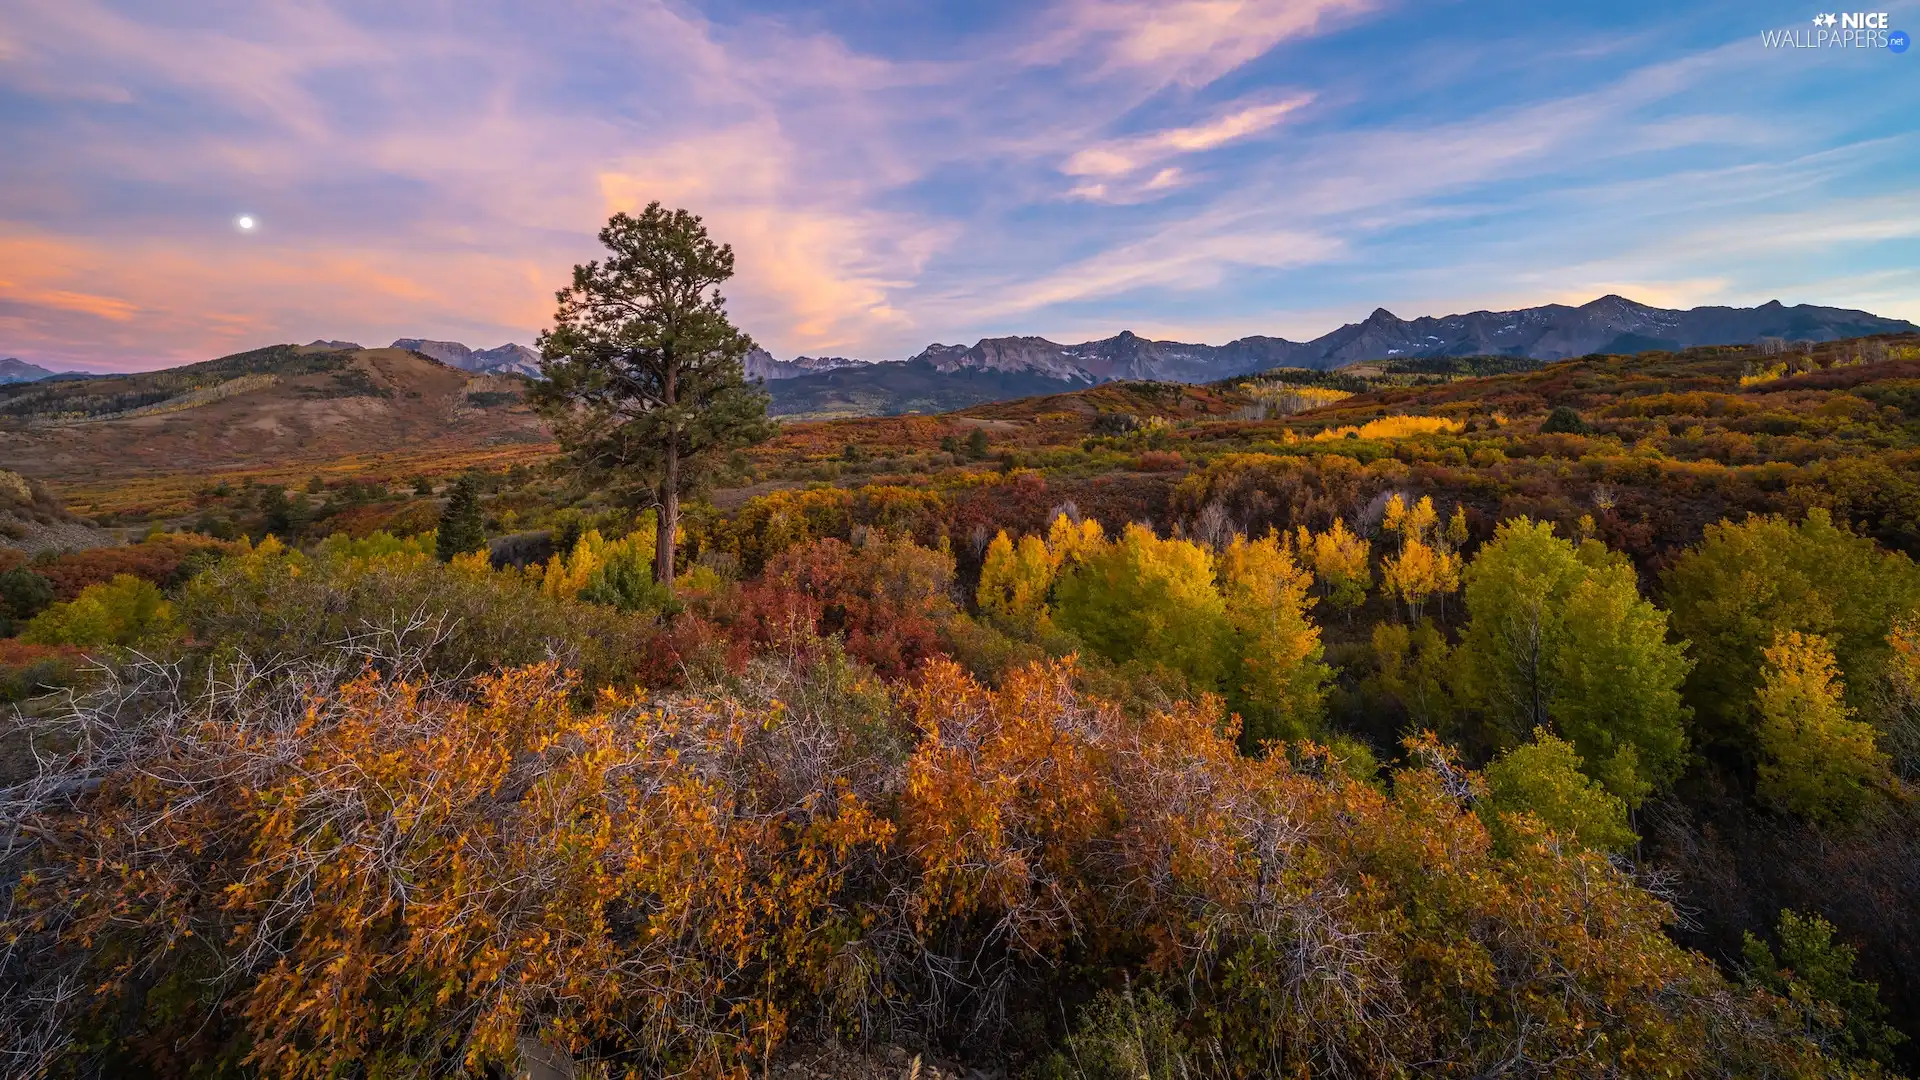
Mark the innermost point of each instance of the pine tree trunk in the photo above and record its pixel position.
(669, 520)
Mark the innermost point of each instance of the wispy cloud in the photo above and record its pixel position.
(1191, 42)
(1111, 166)
(429, 169)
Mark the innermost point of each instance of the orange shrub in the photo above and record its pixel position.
(374, 876)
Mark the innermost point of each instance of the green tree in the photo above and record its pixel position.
(462, 528)
(1815, 973)
(1617, 684)
(977, 443)
(1560, 637)
(1747, 581)
(1148, 599)
(1815, 759)
(1515, 590)
(643, 368)
(126, 611)
(1564, 420)
(1414, 666)
(23, 594)
(282, 516)
(1544, 778)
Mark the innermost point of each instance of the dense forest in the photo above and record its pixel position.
(1417, 719)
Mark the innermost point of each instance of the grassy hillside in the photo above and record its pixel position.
(264, 409)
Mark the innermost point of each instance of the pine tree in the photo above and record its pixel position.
(644, 380)
(461, 526)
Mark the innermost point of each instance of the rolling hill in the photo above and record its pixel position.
(278, 404)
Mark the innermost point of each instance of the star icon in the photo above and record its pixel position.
(1831, 20)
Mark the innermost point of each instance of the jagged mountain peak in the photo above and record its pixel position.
(13, 370)
(518, 359)
(1610, 323)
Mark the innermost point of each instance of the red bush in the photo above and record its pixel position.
(154, 560)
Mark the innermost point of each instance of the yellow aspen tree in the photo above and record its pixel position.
(1014, 582)
(1068, 542)
(1816, 759)
(1413, 575)
(1341, 560)
(1422, 518)
(1147, 599)
(1276, 677)
(1394, 519)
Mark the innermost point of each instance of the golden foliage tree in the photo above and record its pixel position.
(1817, 760)
(1276, 677)
(1426, 564)
(1149, 599)
(1340, 561)
(1014, 582)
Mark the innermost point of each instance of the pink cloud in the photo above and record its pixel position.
(1191, 42)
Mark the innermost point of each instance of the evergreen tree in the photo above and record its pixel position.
(23, 594)
(644, 382)
(462, 528)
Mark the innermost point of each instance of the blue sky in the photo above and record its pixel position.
(892, 174)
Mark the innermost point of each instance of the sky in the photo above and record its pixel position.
(892, 173)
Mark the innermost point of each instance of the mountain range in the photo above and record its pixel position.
(1611, 324)
(19, 371)
(760, 364)
(953, 376)
(504, 359)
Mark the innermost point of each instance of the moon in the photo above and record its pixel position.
(246, 222)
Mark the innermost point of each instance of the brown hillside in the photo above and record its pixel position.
(280, 406)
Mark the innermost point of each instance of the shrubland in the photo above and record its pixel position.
(1557, 722)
